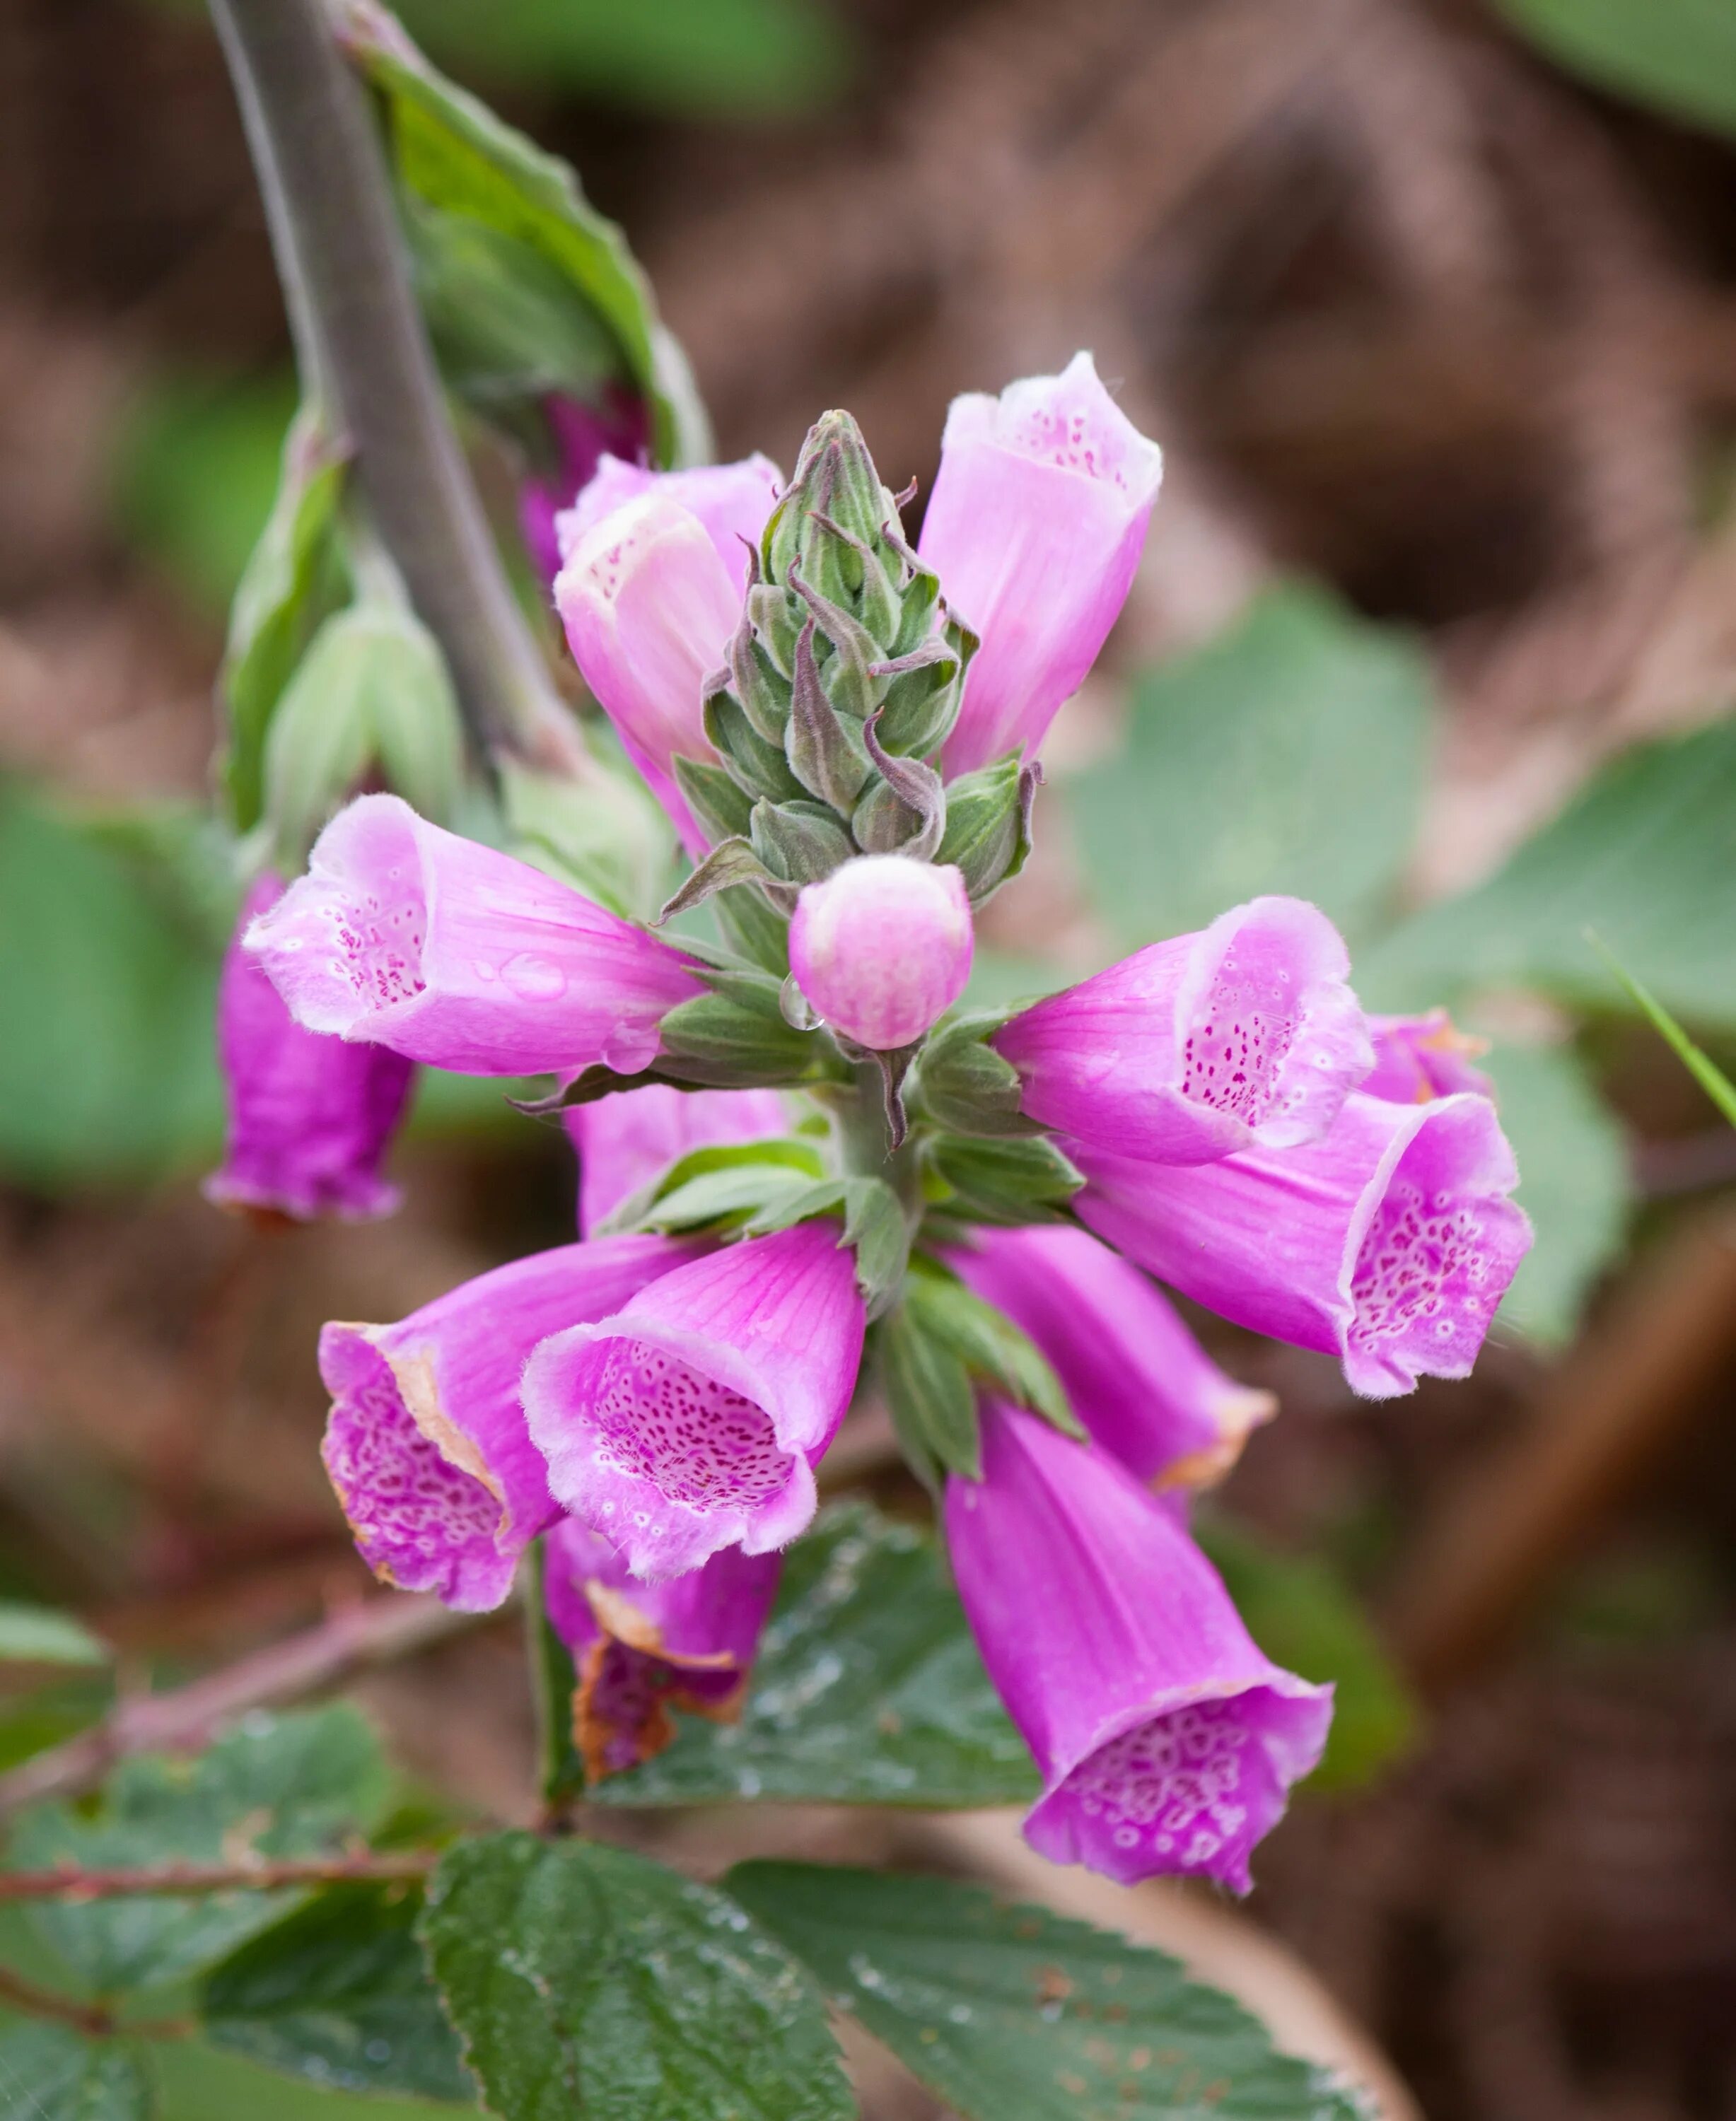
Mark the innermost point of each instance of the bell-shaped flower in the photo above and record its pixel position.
(650, 593)
(1167, 1742)
(1388, 1244)
(1035, 528)
(882, 947)
(453, 954)
(310, 1118)
(1420, 1057)
(617, 427)
(626, 1140)
(1241, 1036)
(690, 1420)
(427, 1444)
(641, 1649)
(1146, 1390)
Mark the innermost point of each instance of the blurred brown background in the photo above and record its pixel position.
(1412, 311)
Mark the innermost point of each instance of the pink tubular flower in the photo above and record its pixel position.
(408, 936)
(1242, 1036)
(1420, 1057)
(1146, 1391)
(1035, 528)
(309, 1118)
(427, 1444)
(1388, 1244)
(650, 592)
(1166, 1740)
(641, 1649)
(626, 1140)
(583, 436)
(882, 948)
(690, 1420)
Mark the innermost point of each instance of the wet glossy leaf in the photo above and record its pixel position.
(1286, 755)
(274, 1785)
(868, 1690)
(590, 1984)
(1646, 854)
(1678, 56)
(1011, 2011)
(50, 2073)
(338, 1994)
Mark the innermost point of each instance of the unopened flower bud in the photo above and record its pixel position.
(882, 948)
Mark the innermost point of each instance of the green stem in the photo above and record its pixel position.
(358, 332)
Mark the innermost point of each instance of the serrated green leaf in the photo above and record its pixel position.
(1286, 755)
(338, 1994)
(588, 1983)
(50, 2073)
(1306, 1619)
(453, 153)
(1010, 2011)
(1576, 1183)
(868, 1690)
(274, 1785)
(1646, 854)
(36, 1635)
(1676, 56)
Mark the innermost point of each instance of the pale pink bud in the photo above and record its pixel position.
(1035, 528)
(882, 948)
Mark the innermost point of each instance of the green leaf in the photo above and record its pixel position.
(454, 155)
(1646, 854)
(1305, 1618)
(932, 1401)
(107, 1068)
(553, 1681)
(875, 1225)
(1677, 56)
(274, 1785)
(1704, 1070)
(588, 1982)
(200, 2082)
(988, 1343)
(292, 581)
(727, 58)
(338, 1994)
(1006, 1181)
(50, 2073)
(868, 1690)
(752, 1177)
(1576, 1184)
(196, 464)
(35, 1635)
(1012, 2012)
(1286, 755)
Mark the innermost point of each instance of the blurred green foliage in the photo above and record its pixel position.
(1677, 56)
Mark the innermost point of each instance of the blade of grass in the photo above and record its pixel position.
(1705, 1071)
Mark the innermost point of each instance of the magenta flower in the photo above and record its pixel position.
(691, 1419)
(1166, 1740)
(427, 1444)
(619, 427)
(641, 1649)
(625, 1141)
(651, 593)
(1388, 1244)
(882, 948)
(1420, 1057)
(1146, 1391)
(1242, 1036)
(447, 952)
(1035, 528)
(310, 1118)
